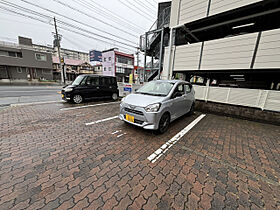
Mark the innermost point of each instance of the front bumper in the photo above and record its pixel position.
(143, 119)
(65, 96)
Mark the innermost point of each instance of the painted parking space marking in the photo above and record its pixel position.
(116, 132)
(121, 135)
(92, 105)
(103, 120)
(165, 147)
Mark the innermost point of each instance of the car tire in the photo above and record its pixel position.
(77, 99)
(163, 123)
(191, 110)
(115, 96)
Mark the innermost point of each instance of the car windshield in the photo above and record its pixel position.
(78, 80)
(156, 88)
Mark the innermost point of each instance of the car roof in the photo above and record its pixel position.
(95, 75)
(172, 81)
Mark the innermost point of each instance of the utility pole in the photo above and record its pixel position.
(137, 53)
(58, 48)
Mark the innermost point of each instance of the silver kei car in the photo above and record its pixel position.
(158, 103)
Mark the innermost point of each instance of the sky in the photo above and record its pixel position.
(119, 20)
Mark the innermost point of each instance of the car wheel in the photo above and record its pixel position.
(191, 110)
(164, 123)
(114, 96)
(77, 99)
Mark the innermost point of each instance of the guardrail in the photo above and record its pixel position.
(263, 99)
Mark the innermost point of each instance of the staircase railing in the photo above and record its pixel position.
(162, 21)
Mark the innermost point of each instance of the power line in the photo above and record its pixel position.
(136, 5)
(89, 7)
(53, 12)
(150, 2)
(137, 12)
(146, 6)
(81, 29)
(106, 13)
(64, 23)
(115, 14)
(66, 29)
(94, 18)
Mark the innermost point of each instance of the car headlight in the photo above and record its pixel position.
(153, 107)
(68, 89)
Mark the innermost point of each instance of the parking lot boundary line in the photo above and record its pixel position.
(163, 149)
(92, 105)
(103, 120)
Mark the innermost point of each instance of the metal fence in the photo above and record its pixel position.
(263, 99)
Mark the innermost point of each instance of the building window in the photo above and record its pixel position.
(110, 68)
(19, 55)
(120, 70)
(104, 68)
(11, 54)
(109, 58)
(104, 59)
(40, 57)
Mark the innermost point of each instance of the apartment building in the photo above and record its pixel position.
(117, 64)
(65, 53)
(22, 62)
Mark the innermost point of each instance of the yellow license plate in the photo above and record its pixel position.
(129, 118)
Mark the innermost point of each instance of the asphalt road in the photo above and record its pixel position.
(28, 94)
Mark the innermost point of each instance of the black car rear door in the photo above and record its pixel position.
(93, 87)
(106, 87)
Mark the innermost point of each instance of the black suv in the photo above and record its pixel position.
(90, 87)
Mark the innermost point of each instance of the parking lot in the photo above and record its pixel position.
(61, 155)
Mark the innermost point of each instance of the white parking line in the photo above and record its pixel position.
(121, 135)
(159, 152)
(103, 120)
(116, 132)
(93, 105)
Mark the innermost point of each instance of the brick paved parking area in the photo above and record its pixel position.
(50, 159)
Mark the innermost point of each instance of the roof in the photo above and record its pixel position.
(70, 62)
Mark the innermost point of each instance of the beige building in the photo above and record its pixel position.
(234, 42)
